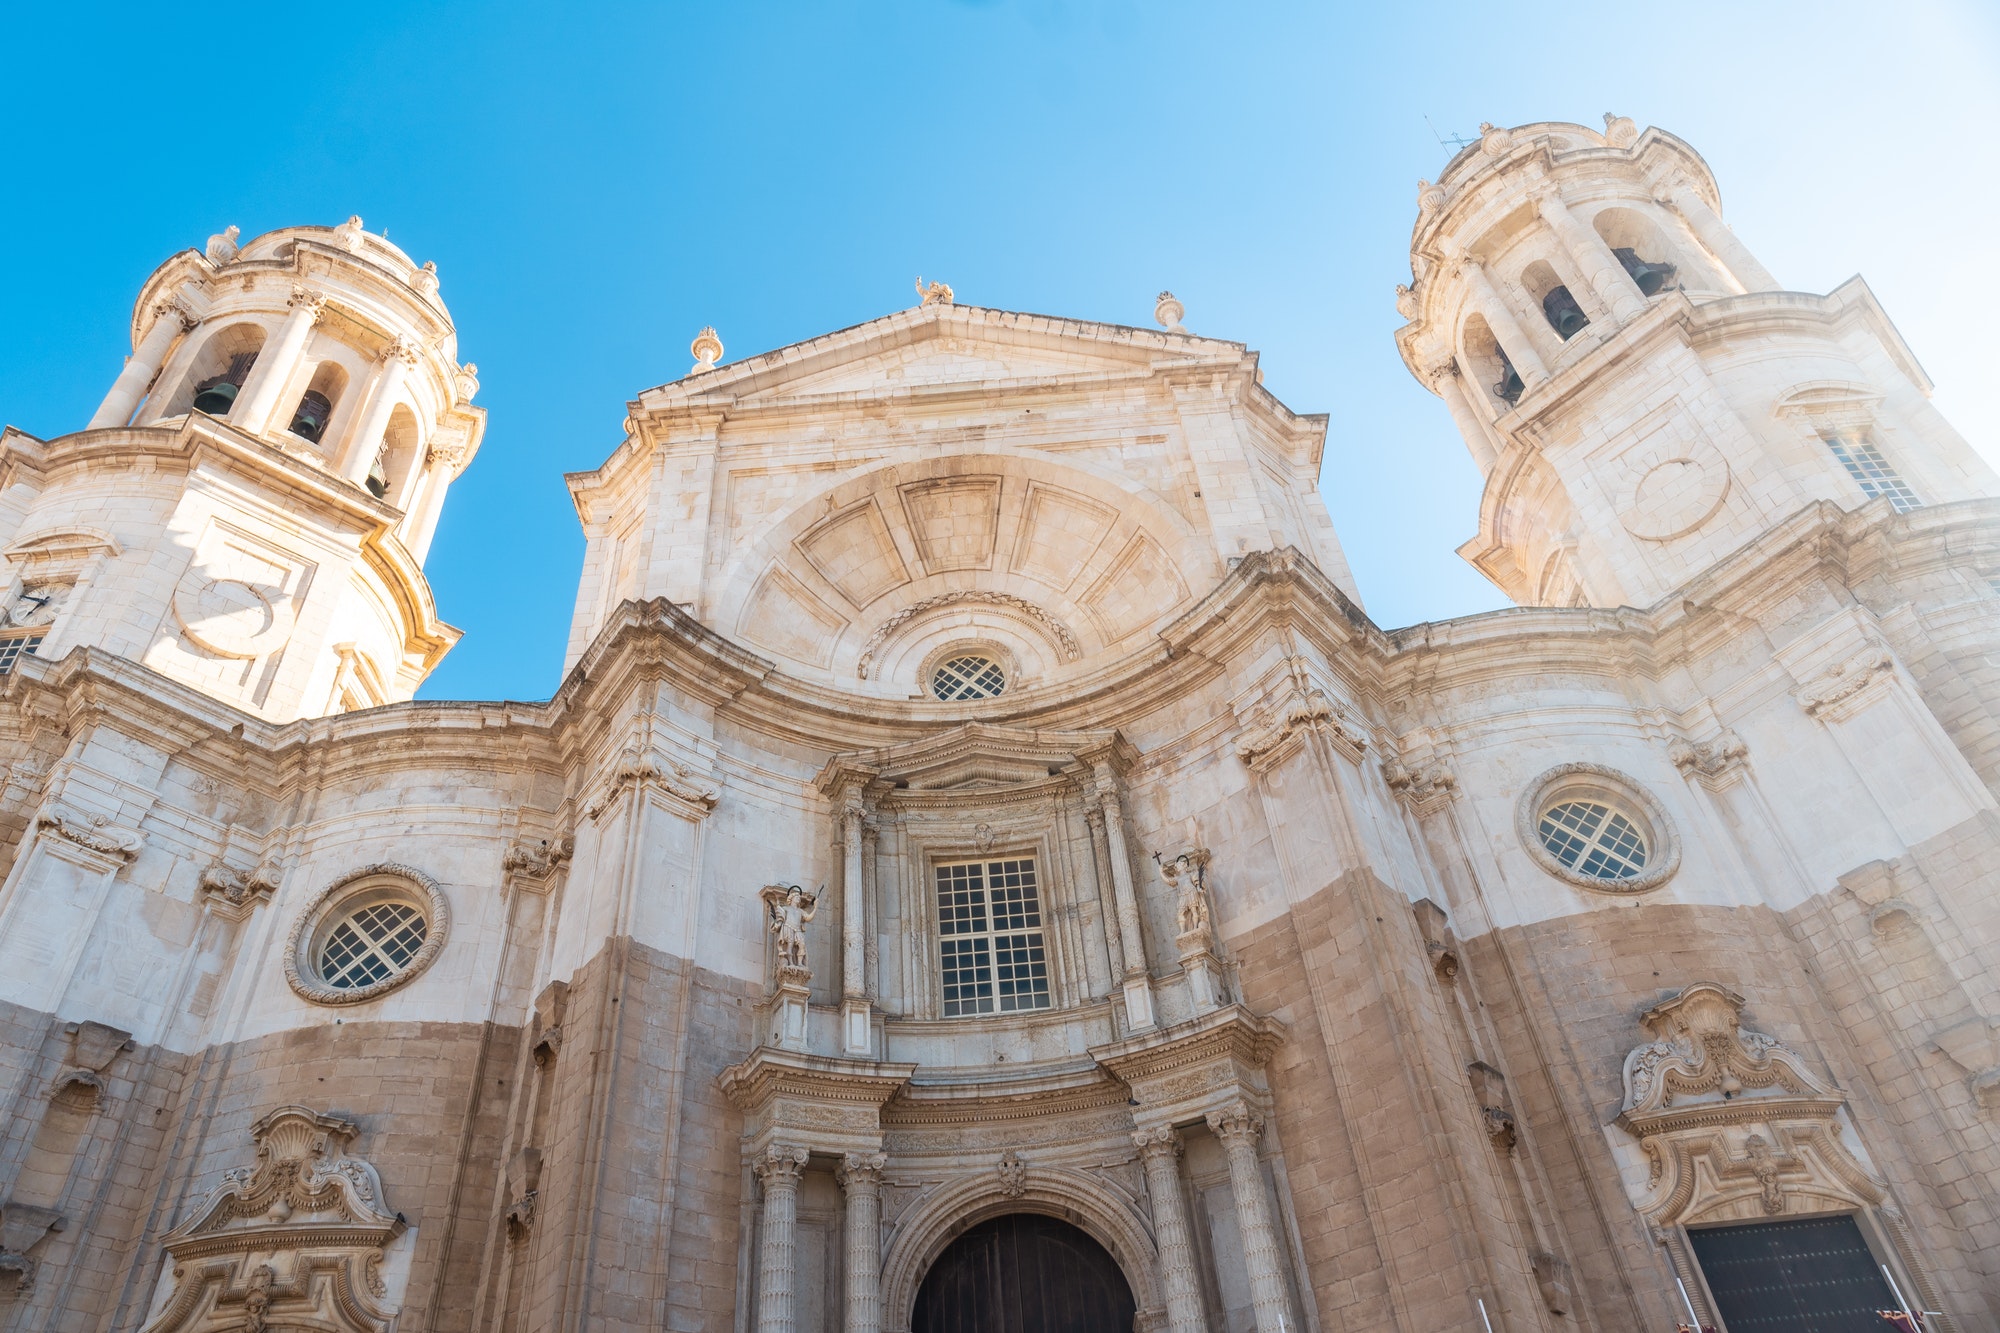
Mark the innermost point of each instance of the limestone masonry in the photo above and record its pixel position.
(978, 819)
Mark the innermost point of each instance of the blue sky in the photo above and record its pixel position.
(596, 183)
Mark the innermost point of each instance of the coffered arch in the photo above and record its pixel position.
(1051, 561)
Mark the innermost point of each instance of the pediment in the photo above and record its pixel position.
(937, 348)
(974, 756)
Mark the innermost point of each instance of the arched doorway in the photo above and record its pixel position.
(1023, 1273)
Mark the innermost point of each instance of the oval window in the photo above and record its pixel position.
(1594, 839)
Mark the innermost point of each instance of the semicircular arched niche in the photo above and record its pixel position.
(1051, 562)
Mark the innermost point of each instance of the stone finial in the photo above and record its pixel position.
(466, 381)
(1430, 197)
(933, 293)
(222, 249)
(707, 350)
(349, 233)
(425, 279)
(1493, 140)
(1407, 304)
(1167, 312)
(1620, 131)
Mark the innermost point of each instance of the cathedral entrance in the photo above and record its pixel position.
(1023, 1273)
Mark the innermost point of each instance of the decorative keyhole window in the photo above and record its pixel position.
(1594, 840)
(969, 677)
(991, 951)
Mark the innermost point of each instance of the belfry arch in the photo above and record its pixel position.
(921, 1237)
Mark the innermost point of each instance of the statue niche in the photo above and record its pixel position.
(294, 1242)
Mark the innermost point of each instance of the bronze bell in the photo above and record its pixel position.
(1650, 278)
(215, 399)
(1565, 316)
(309, 422)
(1509, 386)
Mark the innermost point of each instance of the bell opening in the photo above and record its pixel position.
(309, 422)
(1509, 386)
(1650, 278)
(1565, 316)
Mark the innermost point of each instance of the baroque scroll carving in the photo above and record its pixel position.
(294, 1242)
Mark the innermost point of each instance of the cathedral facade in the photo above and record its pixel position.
(982, 868)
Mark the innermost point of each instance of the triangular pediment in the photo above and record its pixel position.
(938, 348)
(975, 756)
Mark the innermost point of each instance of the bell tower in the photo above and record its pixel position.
(1639, 392)
(249, 508)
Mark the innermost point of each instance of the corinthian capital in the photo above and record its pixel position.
(861, 1170)
(781, 1165)
(305, 298)
(1157, 1143)
(1236, 1123)
(403, 349)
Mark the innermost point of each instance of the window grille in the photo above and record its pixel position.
(13, 645)
(1799, 1275)
(373, 943)
(1593, 839)
(969, 677)
(1878, 480)
(991, 951)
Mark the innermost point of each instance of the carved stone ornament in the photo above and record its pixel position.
(465, 381)
(93, 833)
(1709, 762)
(92, 1048)
(222, 248)
(1620, 131)
(1836, 692)
(1430, 197)
(349, 235)
(1304, 709)
(306, 299)
(1167, 313)
(1066, 645)
(406, 882)
(1408, 303)
(23, 1226)
(234, 893)
(1426, 786)
(425, 279)
(538, 860)
(1734, 1125)
(641, 762)
(706, 349)
(788, 908)
(933, 293)
(1186, 874)
(295, 1242)
(1494, 141)
(1013, 1174)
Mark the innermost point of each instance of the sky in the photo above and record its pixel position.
(596, 183)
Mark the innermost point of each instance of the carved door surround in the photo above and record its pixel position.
(296, 1240)
(1737, 1127)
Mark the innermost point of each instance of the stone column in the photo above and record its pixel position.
(1715, 234)
(170, 321)
(1450, 386)
(1107, 899)
(1138, 982)
(1178, 1279)
(1607, 277)
(777, 1256)
(861, 1177)
(1239, 1129)
(853, 931)
(1507, 330)
(397, 361)
(275, 365)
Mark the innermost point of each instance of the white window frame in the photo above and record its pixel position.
(982, 939)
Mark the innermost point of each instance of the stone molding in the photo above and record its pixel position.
(1664, 845)
(302, 972)
(1066, 645)
(23, 1226)
(1304, 709)
(1843, 689)
(233, 893)
(93, 833)
(295, 1241)
(1713, 763)
(92, 1048)
(932, 1221)
(538, 860)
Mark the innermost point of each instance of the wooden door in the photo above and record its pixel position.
(1024, 1273)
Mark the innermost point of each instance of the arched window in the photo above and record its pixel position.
(1639, 246)
(316, 404)
(220, 369)
(396, 464)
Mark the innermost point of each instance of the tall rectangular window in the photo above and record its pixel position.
(990, 947)
(1864, 463)
(13, 645)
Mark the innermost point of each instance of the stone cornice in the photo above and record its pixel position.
(770, 1072)
(1234, 1033)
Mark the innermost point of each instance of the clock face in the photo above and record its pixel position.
(35, 605)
